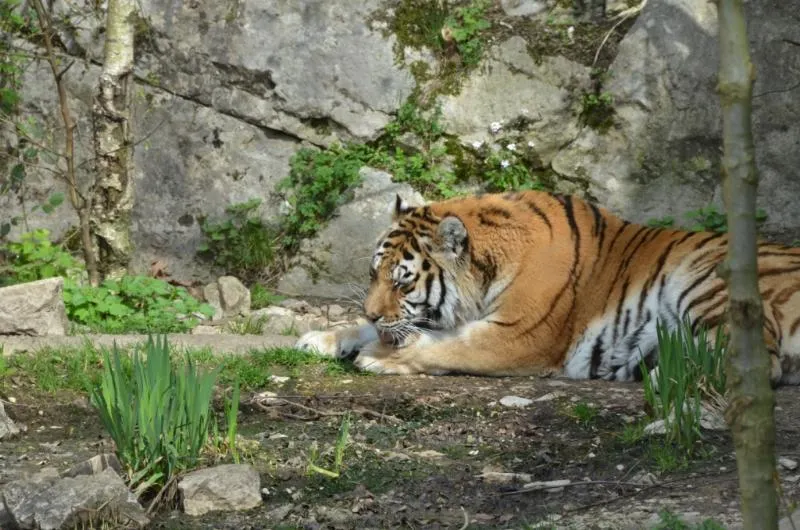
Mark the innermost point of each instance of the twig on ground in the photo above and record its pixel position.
(316, 413)
(466, 519)
(623, 16)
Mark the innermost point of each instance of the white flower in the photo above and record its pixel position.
(531, 144)
(524, 111)
(511, 147)
(495, 127)
(477, 144)
(570, 31)
(505, 163)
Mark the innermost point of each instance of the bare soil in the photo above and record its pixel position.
(418, 448)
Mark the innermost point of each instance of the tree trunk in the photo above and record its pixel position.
(751, 401)
(112, 192)
(81, 203)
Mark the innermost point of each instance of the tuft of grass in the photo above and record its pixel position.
(583, 413)
(247, 326)
(261, 297)
(670, 521)
(338, 452)
(689, 370)
(632, 433)
(158, 413)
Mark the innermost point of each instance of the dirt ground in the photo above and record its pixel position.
(426, 452)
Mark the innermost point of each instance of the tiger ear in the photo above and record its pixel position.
(401, 207)
(452, 236)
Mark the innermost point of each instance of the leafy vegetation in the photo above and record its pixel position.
(261, 297)
(597, 105)
(241, 244)
(133, 304)
(35, 257)
(466, 26)
(158, 414)
(706, 219)
(690, 370)
(670, 521)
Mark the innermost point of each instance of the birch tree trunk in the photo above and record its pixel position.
(751, 400)
(112, 192)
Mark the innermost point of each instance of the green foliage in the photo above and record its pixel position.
(51, 369)
(247, 326)
(467, 26)
(261, 297)
(133, 304)
(689, 370)
(583, 413)
(512, 167)
(35, 257)
(670, 521)
(158, 414)
(338, 452)
(706, 219)
(597, 109)
(319, 182)
(241, 244)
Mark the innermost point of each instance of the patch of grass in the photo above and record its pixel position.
(583, 413)
(705, 219)
(670, 521)
(158, 413)
(51, 369)
(247, 326)
(261, 297)
(667, 458)
(632, 433)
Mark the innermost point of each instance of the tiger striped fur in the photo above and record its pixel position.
(529, 283)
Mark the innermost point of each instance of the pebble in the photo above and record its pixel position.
(515, 401)
(787, 463)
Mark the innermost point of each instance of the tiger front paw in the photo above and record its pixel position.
(324, 343)
(381, 359)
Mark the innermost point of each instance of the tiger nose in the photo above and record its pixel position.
(373, 316)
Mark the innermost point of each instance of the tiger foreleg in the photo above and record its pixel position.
(339, 343)
(476, 348)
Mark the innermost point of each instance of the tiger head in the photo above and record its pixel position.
(415, 274)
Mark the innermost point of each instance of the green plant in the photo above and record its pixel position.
(241, 244)
(319, 182)
(670, 521)
(632, 433)
(247, 326)
(35, 257)
(158, 415)
(706, 219)
(338, 452)
(466, 27)
(583, 413)
(597, 109)
(261, 297)
(690, 369)
(133, 304)
(661, 222)
(231, 415)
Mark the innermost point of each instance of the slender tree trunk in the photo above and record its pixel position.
(80, 203)
(750, 412)
(112, 192)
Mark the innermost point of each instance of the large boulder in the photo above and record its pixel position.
(35, 309)
(663, 155)
(335, 263)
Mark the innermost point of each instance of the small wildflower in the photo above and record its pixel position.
(495, 127)
(477, 144)
(505, 163)
(531, 144)
(511, 147)
(570, 31)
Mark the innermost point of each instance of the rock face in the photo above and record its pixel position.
(228, 487)
(662, 158)
(48, 501)
(34, 308)
(227, 92)
(335, 263)
(7, 426)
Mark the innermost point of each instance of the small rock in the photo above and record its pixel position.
(515, 401)
(7, 426)
(620, 467)
(281, 512)
(787, 463)
(551, 396)
(228, 296)
(227, 487)
(298, 306)
(657, 427)
(334, 312)
(497, 477)
(35, 309)
(429, 453)
(278, 379)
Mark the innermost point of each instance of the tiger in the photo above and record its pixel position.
(529, 282)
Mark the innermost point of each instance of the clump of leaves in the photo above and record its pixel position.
(706, 219)
(242, 244)
(35, 257)
(466, 26)
(261, 297)
(318, 183)
(133, 304)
